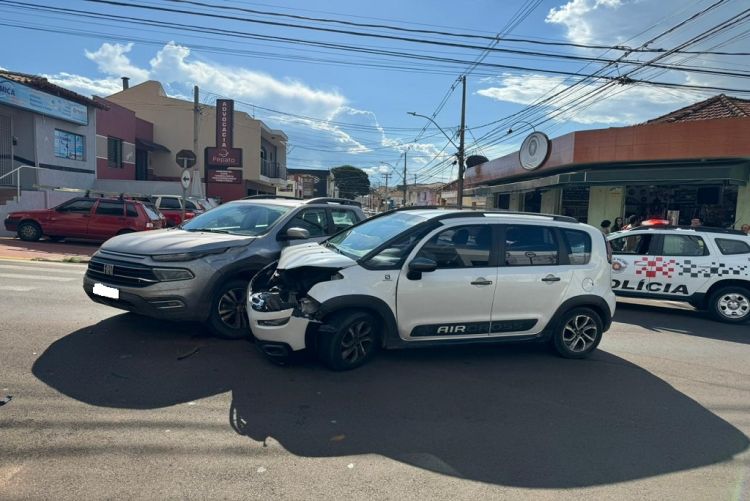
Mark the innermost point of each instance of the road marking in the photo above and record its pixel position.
(11, 288)
(8, 472)
(32, 277)
(44, 269)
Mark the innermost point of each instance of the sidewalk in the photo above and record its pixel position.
(44, 250)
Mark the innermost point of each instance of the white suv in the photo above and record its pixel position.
(417, 276)
(706, 267)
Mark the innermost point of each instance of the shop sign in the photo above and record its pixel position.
(225, 176)
(534, 151)
(18, 95)
(224, 155)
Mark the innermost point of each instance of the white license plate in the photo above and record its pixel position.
(103, 290)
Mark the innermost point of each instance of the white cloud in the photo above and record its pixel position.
(85, 85)
(577, 15)
(622, 105)
(111, 59)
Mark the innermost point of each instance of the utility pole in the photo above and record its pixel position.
(386, 176)
(405, 151)
(196, 117)
(462, 130)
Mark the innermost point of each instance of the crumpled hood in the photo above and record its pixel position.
(172, 241)
(312, 254)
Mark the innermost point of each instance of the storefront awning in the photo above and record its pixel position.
(143, 144)
(735, 174)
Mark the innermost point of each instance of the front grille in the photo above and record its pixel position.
(120, 273)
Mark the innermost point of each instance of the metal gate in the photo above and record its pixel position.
(6, 151)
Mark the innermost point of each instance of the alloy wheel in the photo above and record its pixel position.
(580, 333)
(232, 309)
(356, 342)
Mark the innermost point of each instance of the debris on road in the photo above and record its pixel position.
(5, 400)
(189, 354)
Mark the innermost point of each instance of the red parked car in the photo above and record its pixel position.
(171, 207)
(85, 218)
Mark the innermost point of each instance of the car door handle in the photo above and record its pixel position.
(551, 278)
(481, 281)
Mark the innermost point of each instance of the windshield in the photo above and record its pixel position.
(362, 239)
(238, 219)
(151, 211)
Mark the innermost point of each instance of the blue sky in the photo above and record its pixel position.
(349, 107)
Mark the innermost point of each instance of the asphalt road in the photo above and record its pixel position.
(112, 405)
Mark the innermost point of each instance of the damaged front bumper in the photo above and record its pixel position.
(273, 320)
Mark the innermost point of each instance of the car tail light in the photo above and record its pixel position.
(189, 215)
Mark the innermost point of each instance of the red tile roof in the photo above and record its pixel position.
(721, 106)
(41, 83)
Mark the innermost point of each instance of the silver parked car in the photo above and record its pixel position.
(200, 271)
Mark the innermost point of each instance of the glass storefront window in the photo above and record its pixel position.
(714, 205)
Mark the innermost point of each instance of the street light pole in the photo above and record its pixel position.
(405, 151)
(460, 146)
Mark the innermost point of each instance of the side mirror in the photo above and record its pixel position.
(420, 265)
(295, 234)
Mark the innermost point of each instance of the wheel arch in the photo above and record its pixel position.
(731, 282)
(596, 303)
(371, 304)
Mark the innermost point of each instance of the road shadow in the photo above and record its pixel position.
(507, 415)
(690, 322)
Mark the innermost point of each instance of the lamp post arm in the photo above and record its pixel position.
(414, 114)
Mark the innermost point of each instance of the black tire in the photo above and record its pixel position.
(730, 305)
(228, 318)
(578, 333)
(348, 340)
(29, 231)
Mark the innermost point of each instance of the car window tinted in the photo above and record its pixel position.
(459, 247)
(631, 244)
(238, 218)
(77, 206)
(728, 247)
(312, 220)
(190, 205)
(169, 203)
(107, 208)
(130, 210)
(683, 245)
(343, 218)
(527, 245)
(578, 245)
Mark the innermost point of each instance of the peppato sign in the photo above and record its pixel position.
(224, 155)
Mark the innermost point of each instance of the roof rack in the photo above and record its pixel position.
(478, 211)
(330, 200)
(705, 229)
(268, 197)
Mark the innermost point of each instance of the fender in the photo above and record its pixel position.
(364, 302)
(597, 303)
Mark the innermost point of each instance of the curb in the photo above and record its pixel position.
(68, 259)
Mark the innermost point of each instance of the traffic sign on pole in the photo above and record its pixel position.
(185, 178)
(185, 158)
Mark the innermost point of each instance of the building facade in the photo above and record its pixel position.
(45, 126)
(312, 183)
(691, 163)
(259, 166)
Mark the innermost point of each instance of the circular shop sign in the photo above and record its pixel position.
(534, 150)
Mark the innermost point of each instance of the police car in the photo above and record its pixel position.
(425, 276)
(706, 267)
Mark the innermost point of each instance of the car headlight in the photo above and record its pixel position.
(172, 274)
(187, 256)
